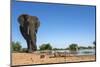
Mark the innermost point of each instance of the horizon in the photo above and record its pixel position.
(60, 25)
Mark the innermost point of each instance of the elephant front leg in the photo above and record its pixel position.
(33, 43)
(29, 46)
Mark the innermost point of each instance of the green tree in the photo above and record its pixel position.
(73, 47)
(67, 48)
(82, 47)
(45, 47)
(59, 48)
(16, 46)
(94, 42)
(89, 47)
(55, 49)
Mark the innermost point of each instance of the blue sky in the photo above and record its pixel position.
(60, 25)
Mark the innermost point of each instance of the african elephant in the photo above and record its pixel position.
(28, 27)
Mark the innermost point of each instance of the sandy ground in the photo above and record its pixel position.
(31, 58)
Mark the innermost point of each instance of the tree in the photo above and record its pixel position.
(94, 42)
(73, 47)
(59, 48)
(55, 49)
(89, 47)
(45, 47)
(82, 47)
(67, 48)
(16, 46)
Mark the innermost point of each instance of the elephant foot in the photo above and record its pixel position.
(34, 50)
(29, 51)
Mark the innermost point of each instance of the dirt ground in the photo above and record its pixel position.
(31, 58)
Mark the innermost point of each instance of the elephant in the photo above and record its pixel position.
(28, 26)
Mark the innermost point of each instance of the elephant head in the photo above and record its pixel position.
(25, 20)
(34, 22)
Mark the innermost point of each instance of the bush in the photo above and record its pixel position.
(45, 47)
(90, 47)
(24, 50)
(16, 46)
(73, 47)
(59, 48)
(82, 47)
(94, 42)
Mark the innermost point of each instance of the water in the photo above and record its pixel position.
(79, 52)
(86, 52)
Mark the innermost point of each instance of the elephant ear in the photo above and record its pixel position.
(21, 20)
(37, 22)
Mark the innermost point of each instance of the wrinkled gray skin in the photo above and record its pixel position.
(28, 27)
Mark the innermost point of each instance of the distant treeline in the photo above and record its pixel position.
(16, 47)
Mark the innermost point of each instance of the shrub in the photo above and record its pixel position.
(73, 47)
(16, 46)
(45, 47)
(24, 50)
